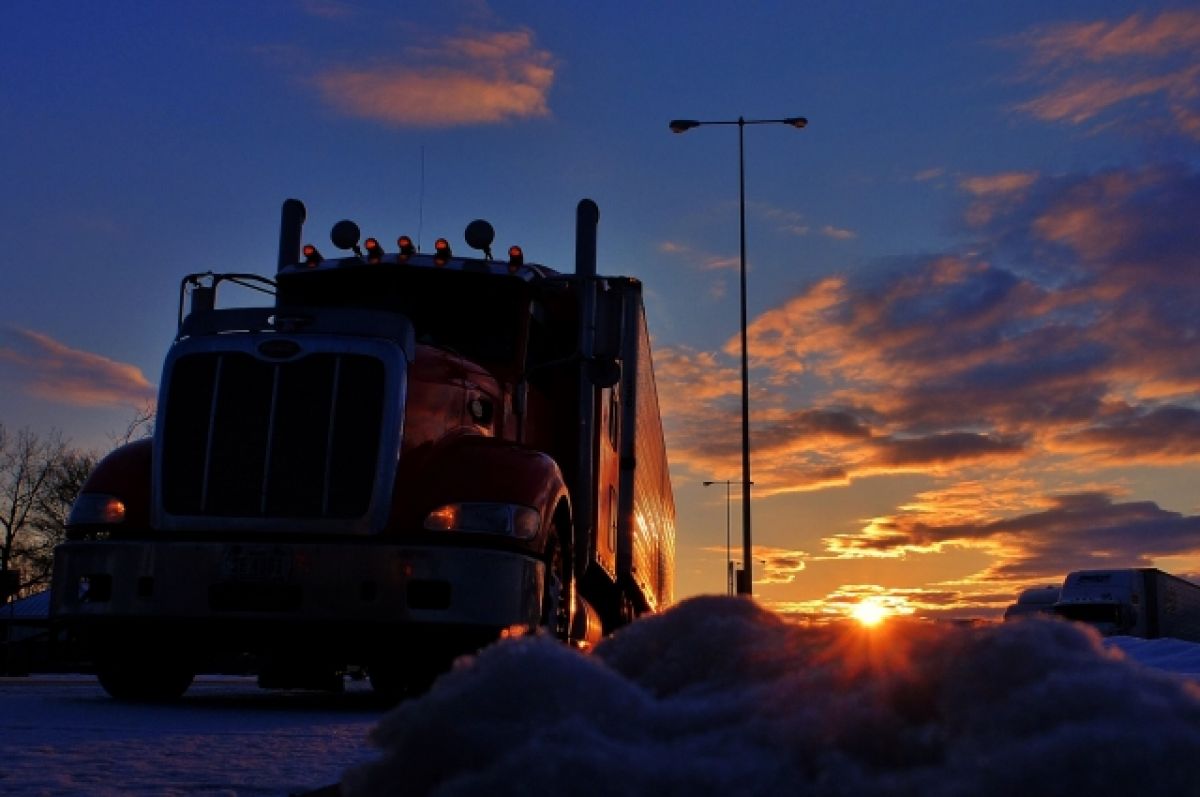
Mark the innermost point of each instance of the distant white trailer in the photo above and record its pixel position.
(1033, 601)
(1139, 602)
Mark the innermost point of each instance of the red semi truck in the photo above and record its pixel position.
(402, 458)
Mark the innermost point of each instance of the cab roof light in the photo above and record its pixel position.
(374, 250)
(441, 251)
(405, 244)
(516, 259)
(312, 257)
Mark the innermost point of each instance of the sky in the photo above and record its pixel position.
(974, 365)
(715, 696)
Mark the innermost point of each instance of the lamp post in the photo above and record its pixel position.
(682, 126)
(729, 582)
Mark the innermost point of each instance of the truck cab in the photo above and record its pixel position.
(400, 459)
(1107, 600)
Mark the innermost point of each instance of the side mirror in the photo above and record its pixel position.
(604, 371)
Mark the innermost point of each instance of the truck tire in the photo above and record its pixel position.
(559, 598)
(146, 682)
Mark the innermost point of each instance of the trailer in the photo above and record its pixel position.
(1141, 602)
(403, 457)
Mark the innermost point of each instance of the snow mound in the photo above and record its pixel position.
(718, 696)
(1173, 655)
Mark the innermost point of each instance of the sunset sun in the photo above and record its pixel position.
(870, 612)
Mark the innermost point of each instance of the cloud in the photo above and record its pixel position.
(1067, 331)
(1069, 531)
(777, 565)
(936, 601)
(993, 193)
(1160, 435)
(838, 233)
(53, 371)
(466, 80)
(1004, 183)
(1140, 72)
(1168, 32)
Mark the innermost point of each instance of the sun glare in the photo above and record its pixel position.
(870, 612)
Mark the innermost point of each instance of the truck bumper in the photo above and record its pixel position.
(242, 597)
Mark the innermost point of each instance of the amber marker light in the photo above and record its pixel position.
(311, 256)
(405, 244)
(374, 250)
(516, 259)
(441, 251)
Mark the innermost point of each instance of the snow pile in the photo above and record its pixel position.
(1172, 655)
(719, 697)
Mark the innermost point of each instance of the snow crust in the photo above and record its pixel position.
(715, 696)
(718, 696)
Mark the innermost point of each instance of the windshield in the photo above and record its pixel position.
(1091, 612)
(479, 317)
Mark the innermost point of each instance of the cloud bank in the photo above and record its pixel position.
(717, 697)
(53, 371)
(1020, 372)
(1139, 73)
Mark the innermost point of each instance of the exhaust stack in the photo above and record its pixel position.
(291, 227)
(587, 217)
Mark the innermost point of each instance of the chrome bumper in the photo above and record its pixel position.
(385, 584)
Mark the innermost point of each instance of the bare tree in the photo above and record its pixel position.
(141, 426)
(48, 520)
(39, 479)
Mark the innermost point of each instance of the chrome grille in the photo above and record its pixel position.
(245, 437)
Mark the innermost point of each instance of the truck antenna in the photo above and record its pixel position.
(421, 202)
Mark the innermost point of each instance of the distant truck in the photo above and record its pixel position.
(1033, 601)
(401, 458)
(1140, 602)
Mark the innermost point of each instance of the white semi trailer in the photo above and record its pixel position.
(1142, 602)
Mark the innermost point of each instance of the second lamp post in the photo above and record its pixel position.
(744, 586)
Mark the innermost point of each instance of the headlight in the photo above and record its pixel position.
(93, 509)
(511, 520)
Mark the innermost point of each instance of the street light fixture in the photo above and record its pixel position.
(729, 582)
(682, 126)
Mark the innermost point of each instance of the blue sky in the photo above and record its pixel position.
(972, 276)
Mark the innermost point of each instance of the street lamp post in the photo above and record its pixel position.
(729, 582)
(682, 126)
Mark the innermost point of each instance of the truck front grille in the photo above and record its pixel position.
(244, 437)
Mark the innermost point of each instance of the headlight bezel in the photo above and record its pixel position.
(97, 509)
(516, 521)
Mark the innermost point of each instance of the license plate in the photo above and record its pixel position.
(256, 564)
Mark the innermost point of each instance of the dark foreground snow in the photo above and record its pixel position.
(715, 697)
(718, 697)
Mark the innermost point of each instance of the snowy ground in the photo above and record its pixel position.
(715, 697)
(61, 735)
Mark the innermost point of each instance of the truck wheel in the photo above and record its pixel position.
(558, 602)
(144, 681)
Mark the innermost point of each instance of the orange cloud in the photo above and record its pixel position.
(53, 371)
(482, 79)
(1034, 538)
(993, 193)
(1169, 32)
(1004, 183)
(937, 601)
(1073, 340)
(838, 233)
(1144, 68)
